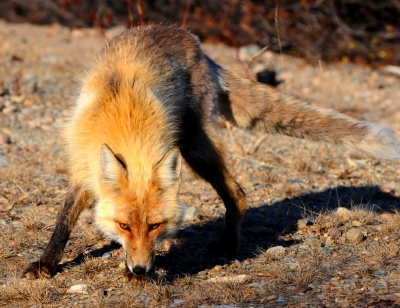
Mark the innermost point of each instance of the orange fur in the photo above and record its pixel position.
(151, 98)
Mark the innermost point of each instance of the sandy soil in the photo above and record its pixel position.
(330, 216)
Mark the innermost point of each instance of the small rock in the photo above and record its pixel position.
(322, 296)
(356, 223)
(77, 289)
(387, 216)
(276, 251)
(29, 83)
(4, 204)
(380, 273)
(4, 222)
(246, 52)
(302, 223)
(237, 278)
(107, 255)
(4, 139)
(353, 259)
(343, 213)
(17, 99)
(326, 251)
(354, 235)
(357, 163)
(53, 59)
(191, 212)
(334, 233)
(176, 302)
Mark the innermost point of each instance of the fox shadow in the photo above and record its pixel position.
(262, 227)
(265, 226)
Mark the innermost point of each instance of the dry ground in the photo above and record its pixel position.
(333, 215)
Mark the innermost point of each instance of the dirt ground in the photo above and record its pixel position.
(323, 225)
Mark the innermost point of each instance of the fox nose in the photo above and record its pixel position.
(138, 270)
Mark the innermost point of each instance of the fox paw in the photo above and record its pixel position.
(38, 270)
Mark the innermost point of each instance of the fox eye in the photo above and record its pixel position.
(124, 226)
(154, 227)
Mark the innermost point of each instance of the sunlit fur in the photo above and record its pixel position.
(152, 96)
(120, 110)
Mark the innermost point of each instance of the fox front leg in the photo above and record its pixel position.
(77, 200)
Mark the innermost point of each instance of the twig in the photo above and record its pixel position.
(229, 127)
(130, 15)
(20, 188)
(277, 29)
(140, 11)
(242, 158)
(256, 145)
(255, 56)
(185, 15)
(320, 67)
(17, 82)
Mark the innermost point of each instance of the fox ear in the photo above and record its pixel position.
(112, 168)
(169, 167)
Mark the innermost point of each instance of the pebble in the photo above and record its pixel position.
(334, 233)
(356, 223)
(246, 52)
(302, 223)
(17, 99)
(232, 279)
(4, 222)
(77, 289)
(4, 204)
(354, 235)
(107, 255)
(343, 213)
(276, 251)
(326, 251)
(4, 162)
(191, 212)
(4, 139)
(380, 273)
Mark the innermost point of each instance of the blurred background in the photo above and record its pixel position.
(361, 31)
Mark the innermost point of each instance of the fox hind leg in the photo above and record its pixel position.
(205, 157)
(77, 200)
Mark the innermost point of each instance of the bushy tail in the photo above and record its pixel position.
(250, 104)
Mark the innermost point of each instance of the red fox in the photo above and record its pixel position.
(152, 98)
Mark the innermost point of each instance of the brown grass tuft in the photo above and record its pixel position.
(37, 291)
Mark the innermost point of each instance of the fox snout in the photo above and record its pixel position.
(139, 260)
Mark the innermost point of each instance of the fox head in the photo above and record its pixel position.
(139, 213)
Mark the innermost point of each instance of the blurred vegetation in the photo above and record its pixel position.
(363, 31)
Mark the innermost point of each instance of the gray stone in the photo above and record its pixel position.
(380, 273)
(107, 255)
(3, 161)
(191, 212)
(326, 251)
(354, 235)
(302, 223)
(276, 251)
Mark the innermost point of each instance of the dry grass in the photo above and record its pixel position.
(5, 250)
(17, 290)
(383, 254)
(286, 179)
(90, 267)
(307, 272)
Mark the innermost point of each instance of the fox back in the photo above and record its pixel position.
(152, 97)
